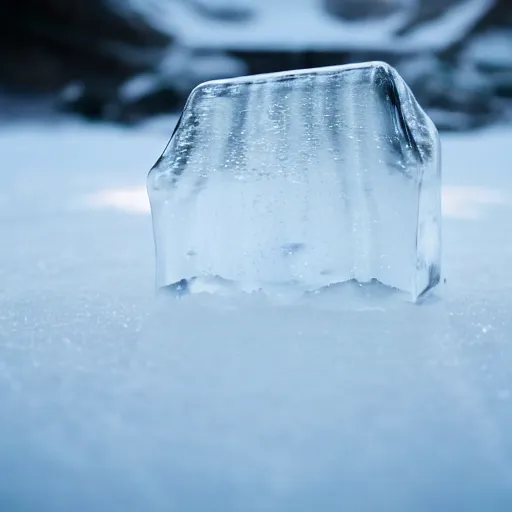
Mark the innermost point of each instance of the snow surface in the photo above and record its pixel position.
(112, 399)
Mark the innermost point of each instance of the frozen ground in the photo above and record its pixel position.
(113, 400)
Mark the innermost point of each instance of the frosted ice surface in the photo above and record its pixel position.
(300, 179)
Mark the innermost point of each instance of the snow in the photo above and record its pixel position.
(112, 399)
(453, 25)
(492, 49)
(311, 27)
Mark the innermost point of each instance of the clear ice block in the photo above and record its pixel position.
(305, 179)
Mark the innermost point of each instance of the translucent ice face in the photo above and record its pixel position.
(303, 179)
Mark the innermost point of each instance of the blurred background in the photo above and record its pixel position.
(129, 61)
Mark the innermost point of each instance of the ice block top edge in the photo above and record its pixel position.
(283, 75)
(414, 121)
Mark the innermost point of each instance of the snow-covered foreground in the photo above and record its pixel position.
(113, 400)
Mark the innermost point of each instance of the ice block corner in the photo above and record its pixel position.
(303, 178)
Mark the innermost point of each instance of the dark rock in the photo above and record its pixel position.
(361, 9)
(47, 44)
(456, 95)
(90, 106)
(498, 16)
(270, 61)
(161, 100)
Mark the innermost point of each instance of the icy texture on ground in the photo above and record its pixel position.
(112, 400)
(301, 179)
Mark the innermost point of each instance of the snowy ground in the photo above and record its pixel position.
(112, 400)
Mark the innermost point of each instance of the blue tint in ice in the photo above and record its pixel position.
(300, 180)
